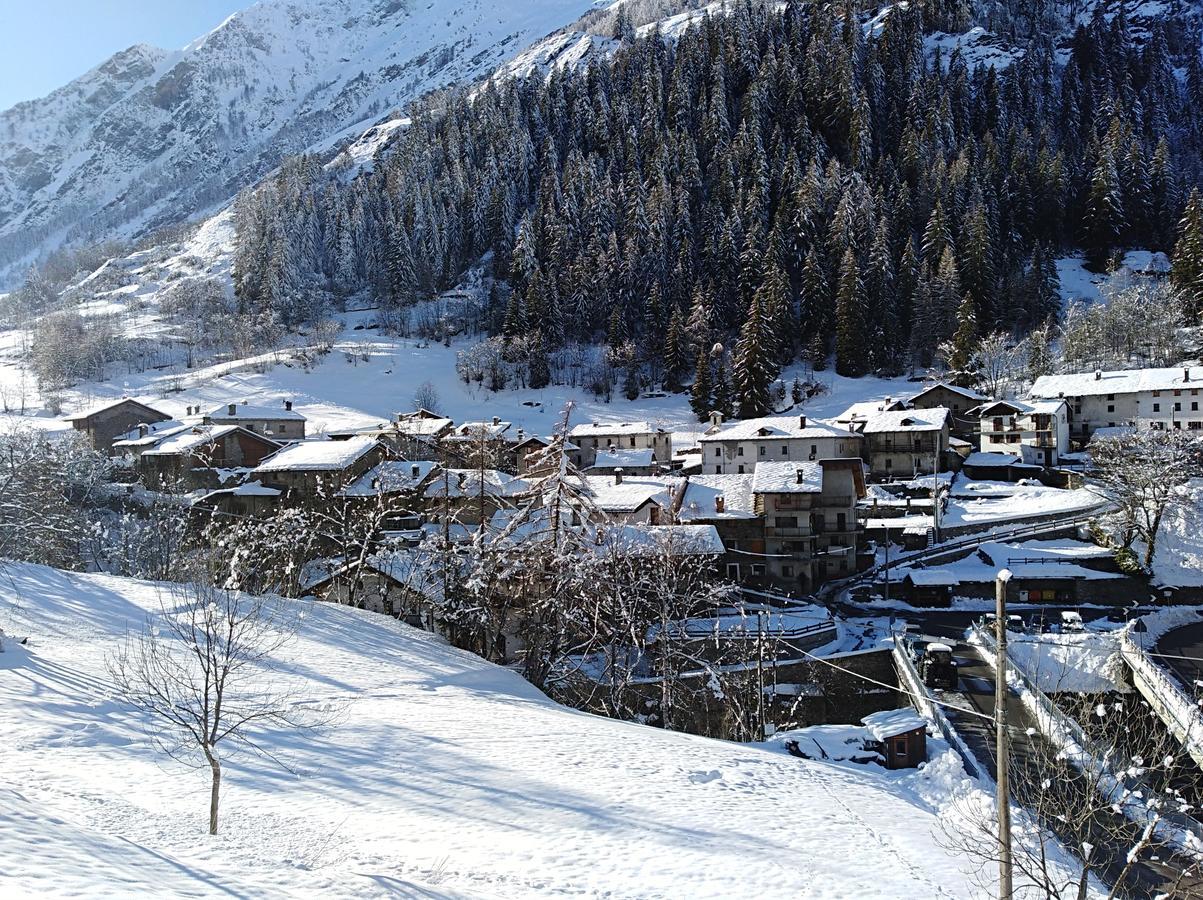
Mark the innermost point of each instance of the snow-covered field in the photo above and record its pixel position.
(986, 502)
(445, 776)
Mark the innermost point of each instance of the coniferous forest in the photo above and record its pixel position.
(788, 184)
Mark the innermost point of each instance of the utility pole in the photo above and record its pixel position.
(887, 531)
(760, 674)
(1003, 749)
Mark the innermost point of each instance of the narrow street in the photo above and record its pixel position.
(1182, 653)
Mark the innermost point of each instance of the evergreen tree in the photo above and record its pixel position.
(851, 356)
(754, 370)
(1187, 271)
(701, 394)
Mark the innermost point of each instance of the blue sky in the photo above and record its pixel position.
(46, 43)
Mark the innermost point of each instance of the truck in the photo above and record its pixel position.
(937, 667)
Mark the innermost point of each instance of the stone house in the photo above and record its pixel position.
(311, 470)
(905, 443)
(280, 423)
(193, 455)
(110, 421)
(959, 401)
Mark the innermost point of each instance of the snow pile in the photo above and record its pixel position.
(988, 502)
(1078, 663)
(1178, 561)
(445, 776)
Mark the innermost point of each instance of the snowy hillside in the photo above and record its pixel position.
(445, 777)
(150, 136)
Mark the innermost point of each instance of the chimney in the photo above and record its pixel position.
(288, 405)
(618, 475)
(716, 418)
(415, 471)
(1186, 374)
(143, 430)
(801, 476)
(801, 421)
(1098, 374)
(207, 420)
(496, 420)
(521, 435)
(720, 503)
(233, 409)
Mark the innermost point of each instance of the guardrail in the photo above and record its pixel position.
(933, 712)
(1166, 696)
(1164, 821)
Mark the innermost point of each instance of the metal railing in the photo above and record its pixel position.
(1171, 703)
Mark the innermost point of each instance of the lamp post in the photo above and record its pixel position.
(1005, 889)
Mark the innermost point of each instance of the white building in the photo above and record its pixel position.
(600, 437)
(1037, 431)
(738, 448)
(1166, 398)
(905, 443)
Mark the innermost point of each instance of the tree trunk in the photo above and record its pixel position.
(214, 793)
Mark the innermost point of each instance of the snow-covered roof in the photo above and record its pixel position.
(468, 483)
(318, 456)
(244, 411)
(787, 478)
(909, 420)
(610, 429)
(419, 425)
(1111, 431)
(964, 392)
(247, 489)
(702, 493)
(633, 492)
(991, 459)
(1088, 384)
(1048, 407)
(389, 477)
(932, 577)
(892, 722)
(476, 430)
(155, 432)
(866, 409)
(105, 405)
(677, 540)
(624, 459)
(191, 439)
(777, 428)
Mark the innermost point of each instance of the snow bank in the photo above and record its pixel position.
(445, 777)
(1079, 663)
(1178, 561)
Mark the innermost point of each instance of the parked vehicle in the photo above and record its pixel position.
(1015, 623)
(1072, 621)
(937, 667)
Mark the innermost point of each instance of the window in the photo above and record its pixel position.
(1177, 393)
(632, 441)
(1111, 396)
(1195, 426)
(787, 571)
(1156, 407)
(785, 449)
(889, 463)
(1177, 407)
(283, 427)
(785, 522)
(760, 451)
(900, 747)
(739, 452)
(718, 451)
(1194, 406)
(843, 565)
(1111, 407)
(741, 470)
(718, 470)
(757, 569)
(733, 571)
(841, 522)
(820, 523)
(1156, 393)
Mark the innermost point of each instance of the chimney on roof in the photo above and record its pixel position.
(233, 409)
(1098, 374)
(801, 476)
(720, 503)
(143, 430)
(802, 421)
(415, 471)
(618, 475)
(207, 420)
(496, 420)
(1186, 374)
(521, 435)
(288, 405)
(716, 418)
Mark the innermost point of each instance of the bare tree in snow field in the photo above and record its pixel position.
(202, 668)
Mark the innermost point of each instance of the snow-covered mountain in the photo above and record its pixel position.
(151, 136)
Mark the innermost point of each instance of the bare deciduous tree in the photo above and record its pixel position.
(1143, 473)
(202, 670)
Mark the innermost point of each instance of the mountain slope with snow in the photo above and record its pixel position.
(150, 136)
(445, 776)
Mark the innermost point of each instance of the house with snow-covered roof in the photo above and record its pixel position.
(903, 443)
(1037, 431)
(309, 470)
(599, 437)
(192, 456)
(107, 422)
(811, 532)
(629, 462)
(280, 423)
(728, 503)
(646, 500)
(739, 447)
(1159, 398)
